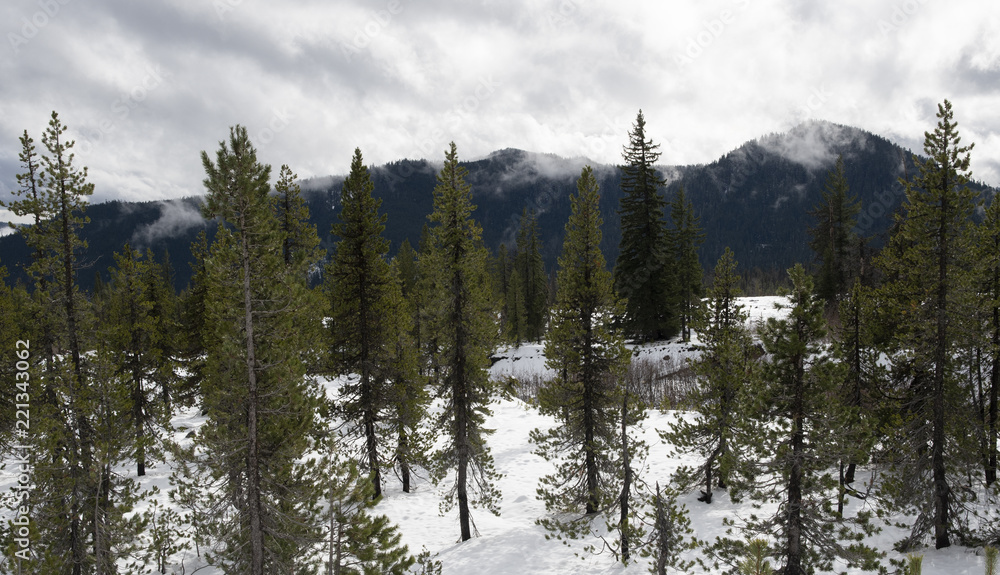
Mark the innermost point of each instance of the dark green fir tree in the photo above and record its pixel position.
(587, 352)
(686, 236)
(462, 324)
(644, 273)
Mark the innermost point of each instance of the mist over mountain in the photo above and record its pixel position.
(755, 199)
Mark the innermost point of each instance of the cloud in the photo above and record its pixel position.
(145, 86)
(814, 145)
(176, 217)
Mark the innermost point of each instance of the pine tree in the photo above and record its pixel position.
(644, 272)
(130, 330)
(834, 240)
(670, 534)
(463, 324)
(796, 444)
(532, 287)
(406, 264)
(855, 347)
(685, 237)
(195, 330)
(988, 256)
(407, 395)
(300, 239)
(166, 324)
(358, 542)
(261, 505)
(516, 315)
(727, 367)
(66, 473)
(929, 287)
(368, 321)
(589, 355)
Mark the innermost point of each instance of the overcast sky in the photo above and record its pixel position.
(145, 86)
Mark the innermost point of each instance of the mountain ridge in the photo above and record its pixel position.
(754, 199)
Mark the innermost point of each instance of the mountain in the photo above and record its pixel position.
(754, 199)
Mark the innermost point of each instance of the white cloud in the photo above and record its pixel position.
(175, 218)
(557, 76)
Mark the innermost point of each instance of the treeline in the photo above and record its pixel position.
(860, 397)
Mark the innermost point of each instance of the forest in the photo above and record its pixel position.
(869, 402)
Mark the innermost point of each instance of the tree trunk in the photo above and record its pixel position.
(404, 464)
(623, 527)
(794, 551)
(941, 489)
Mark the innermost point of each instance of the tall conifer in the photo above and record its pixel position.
(248, 455)
(928, 266)
(643, 274)
(588, 354)
(463, 325)
(686, 236)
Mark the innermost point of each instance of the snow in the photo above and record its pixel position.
(513, 543)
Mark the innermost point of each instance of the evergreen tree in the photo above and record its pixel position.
(855, 348)
(589, 355)
(66, 474)
(515, 313)
(686, 237)
(532, 287)
(164, 315)
(406, 264)
(358, 542)
(195, 331)
(368, 319)
(834, 241)
(463, 324)
(300, 239)
(407, 391)
(727, 367)
(929, 287)
(670, 535)
(247, 460)
(130, 330)
(644, 272)
(796, 444)
(988, 256)
(500, 268)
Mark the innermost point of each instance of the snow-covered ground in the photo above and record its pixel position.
(512, 543)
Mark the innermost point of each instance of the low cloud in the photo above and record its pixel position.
(814, 144)
(176, 217)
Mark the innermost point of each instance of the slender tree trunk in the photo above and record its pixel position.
(460, 395)
(253, 453)
(794, 552)
(626, 484)
(941, 489)
(404, 463)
